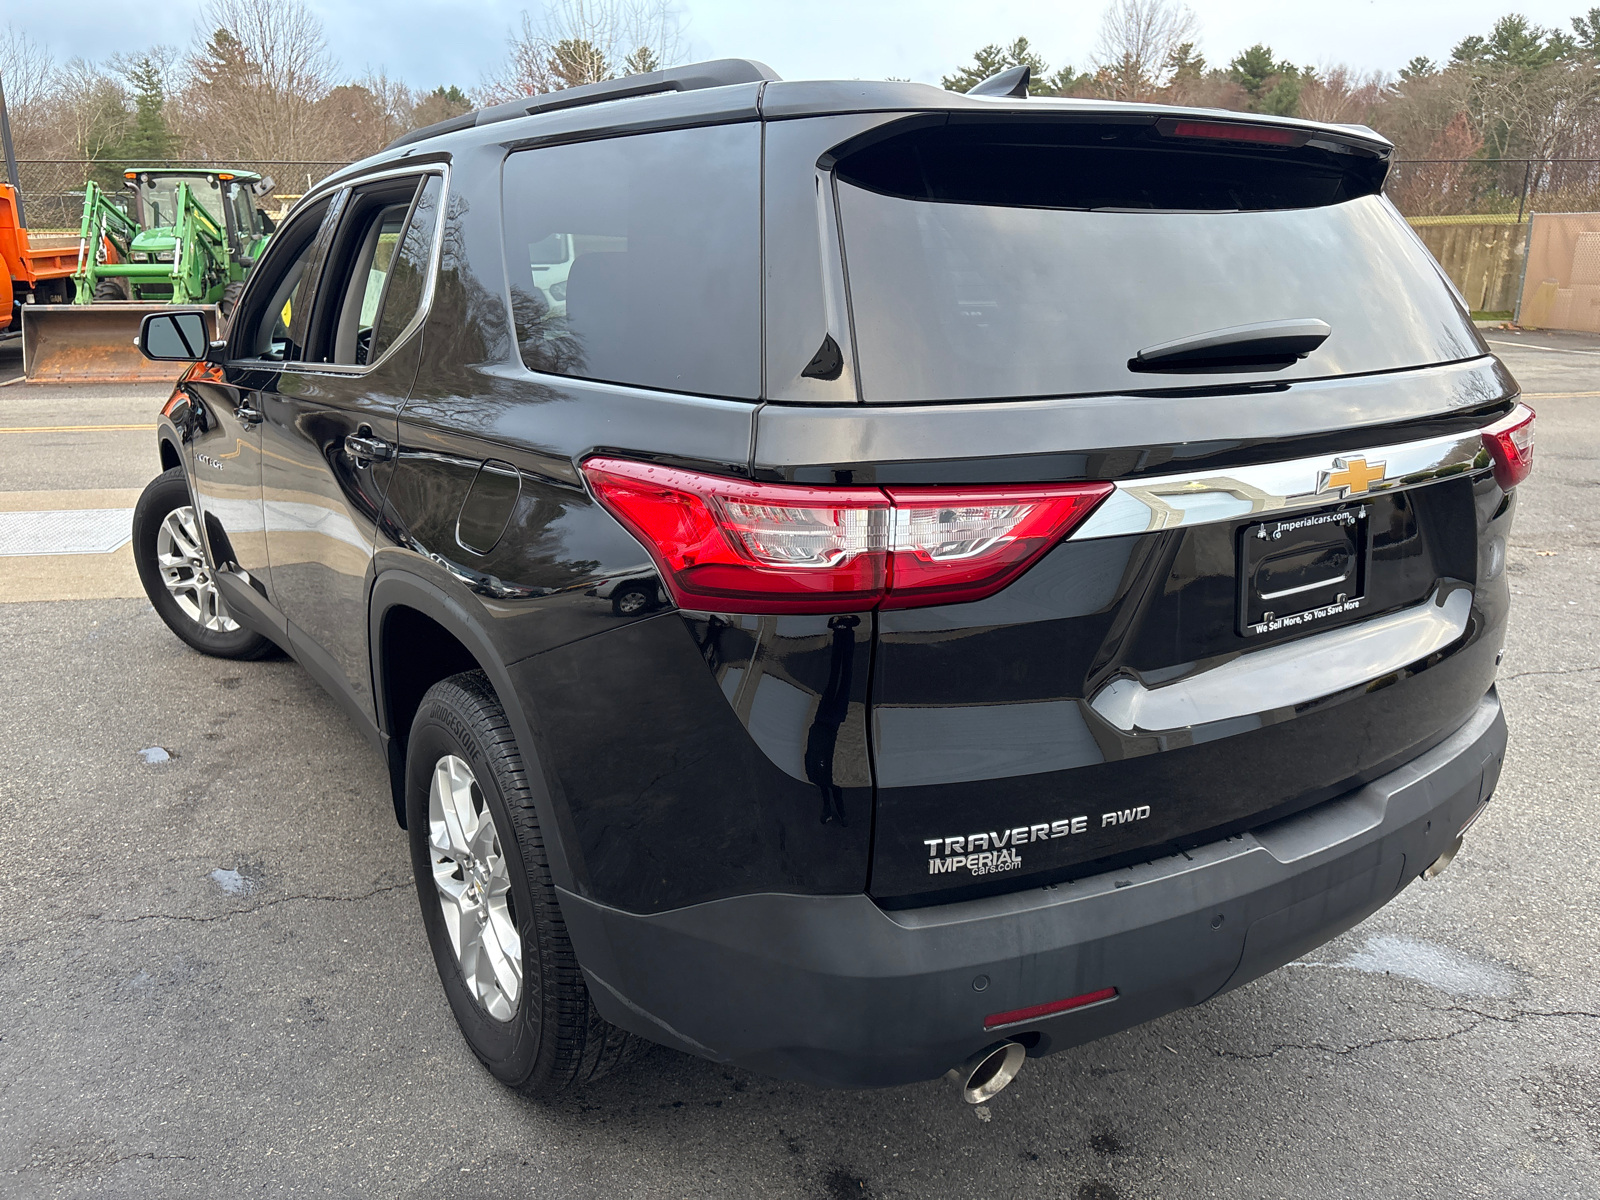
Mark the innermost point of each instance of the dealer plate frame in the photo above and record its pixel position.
(1261, 540)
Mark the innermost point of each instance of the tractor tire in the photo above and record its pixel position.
(110, 289)
(227, 305)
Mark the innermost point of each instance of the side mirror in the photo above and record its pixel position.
(182, 336)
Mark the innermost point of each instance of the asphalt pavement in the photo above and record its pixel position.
(213, 979)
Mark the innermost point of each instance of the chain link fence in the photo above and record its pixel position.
(1487, 187)
(52, 188)
(1477, 217)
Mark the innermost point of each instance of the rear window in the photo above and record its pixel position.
(1002, 259)
(637, 259)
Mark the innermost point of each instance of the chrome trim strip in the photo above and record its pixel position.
(1173, 501)
(1297, 672)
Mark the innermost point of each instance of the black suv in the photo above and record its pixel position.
(859, 581)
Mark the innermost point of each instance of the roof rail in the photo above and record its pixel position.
(719, 72)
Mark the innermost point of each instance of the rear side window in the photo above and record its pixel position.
(406, 274)
(637, 259)
(377, 269)
(999, 259)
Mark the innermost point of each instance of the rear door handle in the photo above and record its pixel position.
(364, 448)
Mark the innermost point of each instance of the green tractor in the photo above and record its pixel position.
(180, 237)
(188, 237)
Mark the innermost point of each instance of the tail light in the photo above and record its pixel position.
(731, 545)
(952, 544)
(1509, 442)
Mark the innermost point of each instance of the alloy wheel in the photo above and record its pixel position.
(183, 569)
(474, 885)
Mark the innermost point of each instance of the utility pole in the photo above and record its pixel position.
(11, 156)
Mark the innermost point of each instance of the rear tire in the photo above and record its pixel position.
(488, 903)
(110, 289)
(176, 576)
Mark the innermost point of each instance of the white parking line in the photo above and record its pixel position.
(1546, 349)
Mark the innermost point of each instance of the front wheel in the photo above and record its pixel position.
(172, 566)
(488, 902)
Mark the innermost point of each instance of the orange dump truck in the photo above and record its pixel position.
(38, 269)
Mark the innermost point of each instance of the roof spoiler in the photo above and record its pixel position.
(720, 72)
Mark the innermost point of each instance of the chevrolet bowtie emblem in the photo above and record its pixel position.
(1350, 477)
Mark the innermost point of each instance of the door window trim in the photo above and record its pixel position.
(421, 172)
(319, 250)
(325, 235)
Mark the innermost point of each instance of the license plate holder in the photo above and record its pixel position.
(1303, 570)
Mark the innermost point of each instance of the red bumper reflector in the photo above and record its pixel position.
(1509, 442)
(740, 546)
(1018, 1015)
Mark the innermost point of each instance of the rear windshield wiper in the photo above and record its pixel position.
(1267, 346)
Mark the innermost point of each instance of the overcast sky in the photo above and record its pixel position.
(430, 42)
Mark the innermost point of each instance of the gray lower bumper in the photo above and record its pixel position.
(836, 991)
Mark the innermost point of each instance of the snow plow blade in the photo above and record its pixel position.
(94, 343)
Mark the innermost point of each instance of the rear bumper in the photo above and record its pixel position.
(835, 991)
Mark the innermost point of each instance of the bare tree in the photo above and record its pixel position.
(1444, 181)
(367, 115)
(393, 105)
(256, 75)
(574, 42)
(27, 71)
(1138, 50)
(1342, 96)
(1533, 112)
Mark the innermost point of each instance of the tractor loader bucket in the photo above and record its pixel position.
(95, 343)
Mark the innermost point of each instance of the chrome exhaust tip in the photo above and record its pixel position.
(988, 1072)
(1437, 866)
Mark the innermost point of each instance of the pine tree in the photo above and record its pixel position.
(576, 61)
(1419, 67)
(641, 62)
(1185, 65)
(1273, 86)
(149, 137)
(992, 59)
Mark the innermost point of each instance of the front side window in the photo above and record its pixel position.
(282, 287)
(637, 259)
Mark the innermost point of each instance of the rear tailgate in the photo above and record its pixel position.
(1298, 583)
(1139, 693)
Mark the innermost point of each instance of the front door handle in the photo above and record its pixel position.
(365, 448)
(247, 415)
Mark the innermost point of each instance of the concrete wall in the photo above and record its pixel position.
(1483, 257)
